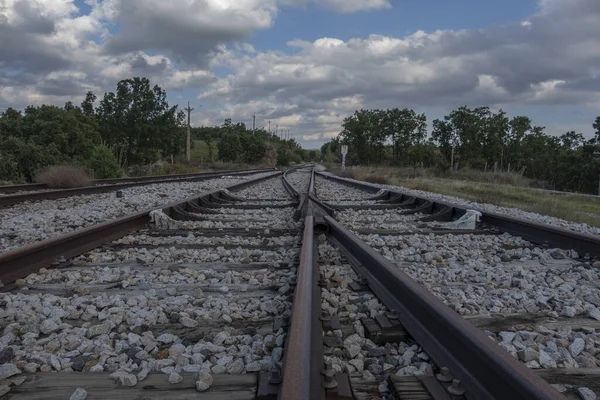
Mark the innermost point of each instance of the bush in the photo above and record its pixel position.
(104, 164)
(63, 177)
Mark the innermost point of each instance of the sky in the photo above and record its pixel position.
(305, 65)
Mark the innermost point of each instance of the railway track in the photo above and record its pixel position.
(291, 287)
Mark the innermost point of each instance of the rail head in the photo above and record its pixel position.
(303, 356)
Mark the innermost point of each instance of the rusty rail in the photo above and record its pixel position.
(304, 345)
(148, 178)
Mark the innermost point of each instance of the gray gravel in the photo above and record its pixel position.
(354, 354)
(269, 189)
(135, 310)
(338, 193)
(300, 179)
(27, 223)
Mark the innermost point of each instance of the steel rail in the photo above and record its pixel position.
(485, 369)
(148, 178)
(60, 193)
(20, 262)
(534, 232)
(303, 356)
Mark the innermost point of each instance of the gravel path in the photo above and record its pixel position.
(27, 223)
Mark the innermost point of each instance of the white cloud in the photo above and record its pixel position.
(51, 53)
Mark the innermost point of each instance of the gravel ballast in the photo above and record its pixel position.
(145, 303)
(27, 223)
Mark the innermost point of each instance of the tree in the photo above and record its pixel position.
(104, 164)
(596, 138)
(315, 155)
(138, 121)
(229, 147)
(87, 106)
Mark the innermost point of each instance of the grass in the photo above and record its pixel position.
(499, 189)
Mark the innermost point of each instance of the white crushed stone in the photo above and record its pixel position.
(300, 179)
(106, 320)
(476, 274)
(79, 394)
(335, 192)
(269, 189)
(27, 223)
(204, 381)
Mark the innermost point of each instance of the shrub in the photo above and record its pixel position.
(104, 164)
(63, 177)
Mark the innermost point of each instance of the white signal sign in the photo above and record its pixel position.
(344, 152)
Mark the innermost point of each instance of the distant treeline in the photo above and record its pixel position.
(236, 143)
(135, 125)
(471, 138)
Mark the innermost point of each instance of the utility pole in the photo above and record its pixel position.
(254, 122)
(188, 147)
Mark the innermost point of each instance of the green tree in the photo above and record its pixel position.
(139, 123)
(103, 163)
(229, 147)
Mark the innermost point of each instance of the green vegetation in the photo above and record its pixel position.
(103, 163)
(469, 142)
(235, 143)
(134, 125)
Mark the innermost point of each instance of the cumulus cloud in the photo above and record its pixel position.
(549, 60)
(190, 31)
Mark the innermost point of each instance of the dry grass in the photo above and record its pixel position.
(63, 177)
(177, 169)
(570, 207)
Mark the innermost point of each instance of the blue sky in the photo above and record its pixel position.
(313, 22)
(307, 64)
